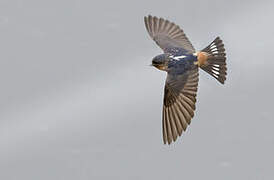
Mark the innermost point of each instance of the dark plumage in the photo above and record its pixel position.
(182, 62)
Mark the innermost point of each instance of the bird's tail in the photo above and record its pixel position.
(212, 60)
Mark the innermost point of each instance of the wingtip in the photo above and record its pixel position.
(147, 16)
(151, 17)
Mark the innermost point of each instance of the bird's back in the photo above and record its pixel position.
(182, 64)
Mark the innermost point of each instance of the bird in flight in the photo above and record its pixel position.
(182, 63)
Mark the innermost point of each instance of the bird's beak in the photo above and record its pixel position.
(151, 65)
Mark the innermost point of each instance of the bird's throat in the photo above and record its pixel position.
(161, 67)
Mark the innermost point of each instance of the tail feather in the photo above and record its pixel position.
(216, 61)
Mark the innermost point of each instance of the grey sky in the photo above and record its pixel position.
(79, 101)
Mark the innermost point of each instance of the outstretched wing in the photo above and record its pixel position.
(167, 34)
(179, 103)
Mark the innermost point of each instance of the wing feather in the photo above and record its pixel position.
(167, 34)
(181, 117)
(176, 120)
(173, 125)
(164, 126)
(168, 127)
(179, 104)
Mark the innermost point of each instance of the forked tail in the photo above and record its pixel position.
(215, 63)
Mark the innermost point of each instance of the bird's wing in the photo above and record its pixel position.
(179, 103)
(167, 34)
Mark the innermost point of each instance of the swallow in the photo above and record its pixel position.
(182, 63)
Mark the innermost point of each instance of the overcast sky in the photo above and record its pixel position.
(78, 100)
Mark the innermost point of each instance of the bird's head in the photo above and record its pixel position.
(161, 62)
